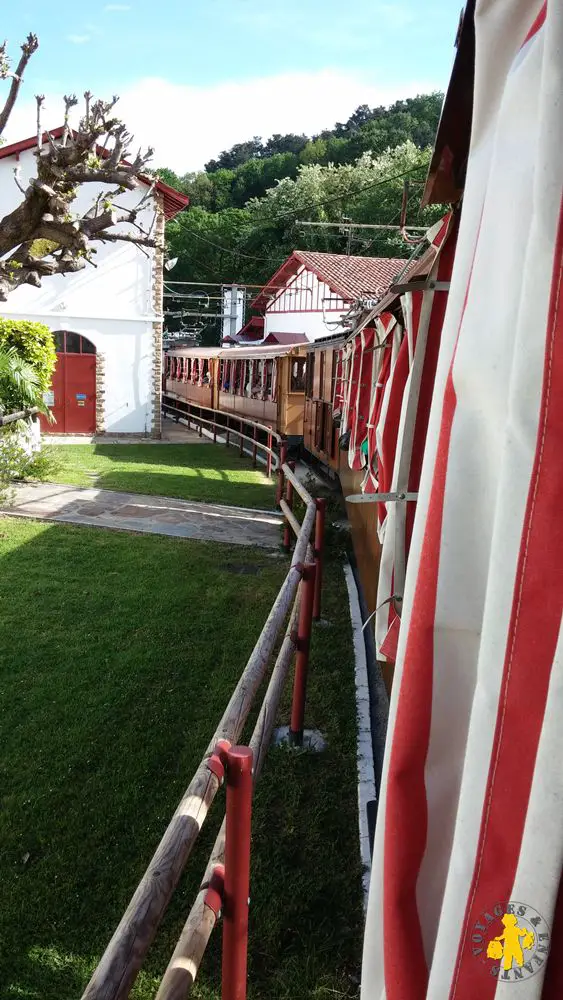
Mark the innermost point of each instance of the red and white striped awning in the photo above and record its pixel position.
(470, 817)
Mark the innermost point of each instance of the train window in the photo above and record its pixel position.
(322, 361)
(298, 375)
(269, 378)
(206, 378)
(310, 374)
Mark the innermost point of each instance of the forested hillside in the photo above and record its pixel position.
(247, 205)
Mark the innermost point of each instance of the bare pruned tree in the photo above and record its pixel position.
(44, 234)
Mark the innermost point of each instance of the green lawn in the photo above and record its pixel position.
(114, 669)
(207, 472)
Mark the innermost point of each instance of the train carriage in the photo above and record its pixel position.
(262, 384)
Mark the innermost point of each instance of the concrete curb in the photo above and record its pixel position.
(366, 771)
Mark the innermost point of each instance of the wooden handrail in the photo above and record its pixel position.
(10, 418)
(228, 413)
(183, 967)
(124, 955)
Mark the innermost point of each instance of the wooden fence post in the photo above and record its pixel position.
(304, 630)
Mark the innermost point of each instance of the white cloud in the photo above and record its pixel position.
(78, 39)
(188, 125)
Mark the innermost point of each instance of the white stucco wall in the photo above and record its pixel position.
(110, 304)
(311, 324)
(299, 308)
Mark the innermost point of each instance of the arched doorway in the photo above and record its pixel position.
(72, 399)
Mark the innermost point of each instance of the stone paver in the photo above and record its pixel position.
(157, 515)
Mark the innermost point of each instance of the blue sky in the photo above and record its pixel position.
(197, 75)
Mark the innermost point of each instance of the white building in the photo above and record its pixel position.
(107, 319)
(309, 293)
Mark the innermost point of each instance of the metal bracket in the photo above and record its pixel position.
(380, 497)
(216, 762)
(214, 896)
(429, 284)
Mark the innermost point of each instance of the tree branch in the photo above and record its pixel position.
(44, 235)
(30, 46)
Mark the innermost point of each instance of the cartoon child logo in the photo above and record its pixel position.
(511, 952)
(521, 947)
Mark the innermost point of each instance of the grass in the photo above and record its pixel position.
(114, 669)
(205, 472)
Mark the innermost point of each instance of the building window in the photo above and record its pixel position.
(298, 367)
(67, 342)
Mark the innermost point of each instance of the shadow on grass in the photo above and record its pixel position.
(205, 473)
(113, 673)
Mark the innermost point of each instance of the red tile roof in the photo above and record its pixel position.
(348, 277)
(173, 200)
(286, 338)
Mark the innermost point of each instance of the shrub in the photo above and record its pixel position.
(20, 461)
(34, 344)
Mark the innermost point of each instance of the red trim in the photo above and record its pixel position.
(538, 23)
(174, 201)
(532, 639)
(407, 807)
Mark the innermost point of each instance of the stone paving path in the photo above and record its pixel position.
(157, 515)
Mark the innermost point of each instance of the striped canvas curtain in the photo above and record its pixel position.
(423, 313)
(358, 419)
(470, 818)
(387, 346)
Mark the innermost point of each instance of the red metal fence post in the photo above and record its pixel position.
(269, 455)
(289, 502)
(281, 477)
(319, 554)
(237, 873)
(304, 629)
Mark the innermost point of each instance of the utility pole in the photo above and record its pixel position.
(234, 311)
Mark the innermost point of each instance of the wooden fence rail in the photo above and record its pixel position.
(218, 421)
(125, 953)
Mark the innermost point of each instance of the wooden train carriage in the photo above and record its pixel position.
(321, 440)
(263, 384)
(190, 375)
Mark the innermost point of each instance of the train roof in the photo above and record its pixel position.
(240, 353)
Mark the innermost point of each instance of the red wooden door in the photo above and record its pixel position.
(74, 392)
(80, 393)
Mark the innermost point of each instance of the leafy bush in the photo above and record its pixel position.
(18, 462)
(34, 344)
